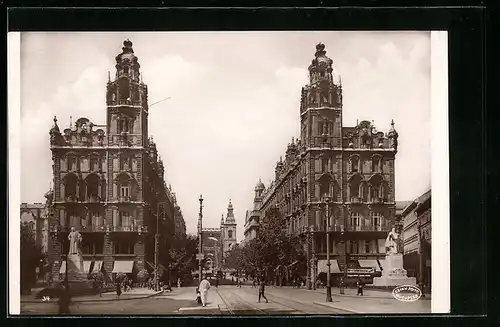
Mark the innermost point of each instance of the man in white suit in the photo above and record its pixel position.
(204, 287)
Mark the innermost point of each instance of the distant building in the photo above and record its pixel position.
(417, 237)
(252, 217)
(398, 219)
(349, 167)
(37, 215)
(215, 250)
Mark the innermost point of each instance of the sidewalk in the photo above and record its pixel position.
(355, 304)
(214, 301)
(136, 293)
(367, 293)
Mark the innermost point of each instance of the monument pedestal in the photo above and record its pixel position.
(77, 276)
(393, 273)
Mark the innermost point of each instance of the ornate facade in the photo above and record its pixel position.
(109, 181)
(344, 173)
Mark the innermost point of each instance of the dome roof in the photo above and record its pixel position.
(260, 186)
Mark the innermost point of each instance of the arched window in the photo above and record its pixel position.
(71, 187)
(355, 222)
(376, 220)
(324, 162)
(93, 188)
(376, 189)
(354, 188)
(72, 163)
(125, 163)
(230, 234)
(125, 219)
(94, 163)
(124, 89)
(355, 164)
(125, 187)
(376, 164)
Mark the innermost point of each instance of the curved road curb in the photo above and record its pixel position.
(100, 300)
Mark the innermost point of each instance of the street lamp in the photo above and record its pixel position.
(200, 250)
(157, 243)
(328, 285)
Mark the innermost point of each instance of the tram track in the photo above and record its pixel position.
(236, 305)
(242, 306)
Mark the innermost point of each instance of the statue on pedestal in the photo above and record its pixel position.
(75, 239)
(391, 245)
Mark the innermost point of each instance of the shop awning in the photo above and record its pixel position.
(62, 270)
(123, 266)
(323, 268)
(382, 263)
(97, 266)
(369, 264)
(86, 266)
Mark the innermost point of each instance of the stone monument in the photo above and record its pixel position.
(75, 271)
(393, 273)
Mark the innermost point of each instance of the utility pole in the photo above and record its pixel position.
(200, 250)
(328, 283)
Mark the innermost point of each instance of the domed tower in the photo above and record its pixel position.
(321, 103)
(259, 189)
(127, 101)
(229, 230)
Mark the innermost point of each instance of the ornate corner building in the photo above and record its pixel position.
(345, 171)
(109, 181)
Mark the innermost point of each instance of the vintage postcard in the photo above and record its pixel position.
(228, 173)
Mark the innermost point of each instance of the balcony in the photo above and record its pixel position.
(129, 228)
(332, 228)
(124, 199)
(356, 199)
(378, 200)
(124, 102)
(94, 199)
(370, 228)
(93, 228)
(71, 199)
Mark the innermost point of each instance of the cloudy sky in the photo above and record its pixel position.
(234, 103)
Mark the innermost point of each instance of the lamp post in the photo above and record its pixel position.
(157, 243)
(328, 285)
(200, 250)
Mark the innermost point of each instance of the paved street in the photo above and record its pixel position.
(230, 300)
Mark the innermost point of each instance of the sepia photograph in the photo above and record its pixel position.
(228, 173)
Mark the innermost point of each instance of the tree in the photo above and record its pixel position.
(30, 256)
(182, 256)
(272, 247)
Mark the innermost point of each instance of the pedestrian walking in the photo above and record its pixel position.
(64, 300)
(178, 282)
(204, 287)
(253, 283)
(359, 284)
(262, 288)
(216, 282)
(118, 290)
